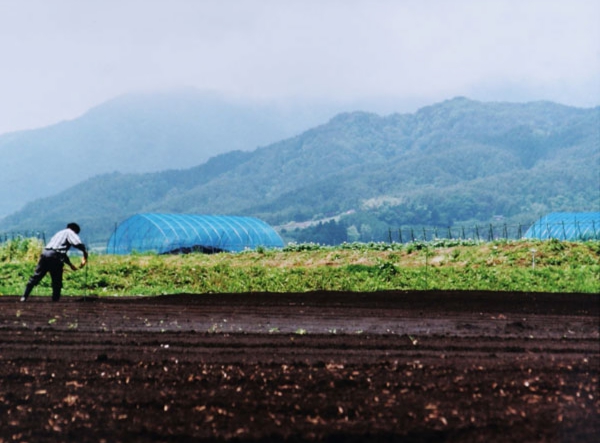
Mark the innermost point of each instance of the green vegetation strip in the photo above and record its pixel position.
(516, 266)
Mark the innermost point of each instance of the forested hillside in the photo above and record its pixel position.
(139, 133)
(452, 163)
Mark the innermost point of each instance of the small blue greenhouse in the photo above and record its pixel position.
(566, 226)
(183, 233)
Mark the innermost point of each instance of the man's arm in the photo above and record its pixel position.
(76, 242)
(67, 261)
(83, 249)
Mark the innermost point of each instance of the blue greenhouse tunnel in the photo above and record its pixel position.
(182, 233)
(573, 226)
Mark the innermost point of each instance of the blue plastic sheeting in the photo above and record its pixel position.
(566, 226)
(180, 233)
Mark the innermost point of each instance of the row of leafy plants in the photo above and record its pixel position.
(515, 266)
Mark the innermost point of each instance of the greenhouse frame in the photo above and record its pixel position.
(566, 226)
(183, 233)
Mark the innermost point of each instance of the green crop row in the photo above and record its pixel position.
(515, 266)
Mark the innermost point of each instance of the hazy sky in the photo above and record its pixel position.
(61, 57)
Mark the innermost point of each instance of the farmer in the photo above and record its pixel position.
(53, 257)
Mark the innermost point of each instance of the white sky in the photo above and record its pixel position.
(58, 58)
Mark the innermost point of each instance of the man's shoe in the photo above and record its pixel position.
(23, 299)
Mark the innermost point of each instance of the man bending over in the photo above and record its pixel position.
(53, 257)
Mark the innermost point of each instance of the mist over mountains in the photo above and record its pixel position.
(459, 161)
(141, 133)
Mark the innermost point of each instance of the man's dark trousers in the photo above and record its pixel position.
(52, 262)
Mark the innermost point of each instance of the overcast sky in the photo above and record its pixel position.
(58, 58)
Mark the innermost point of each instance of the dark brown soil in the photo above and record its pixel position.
(332, 367)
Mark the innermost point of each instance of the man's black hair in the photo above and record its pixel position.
(74, 227)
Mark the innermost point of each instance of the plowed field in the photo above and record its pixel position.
(334, 367)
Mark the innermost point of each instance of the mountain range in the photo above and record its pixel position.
(459, 161)
(144, 132)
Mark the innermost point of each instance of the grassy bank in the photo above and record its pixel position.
(521, 266)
